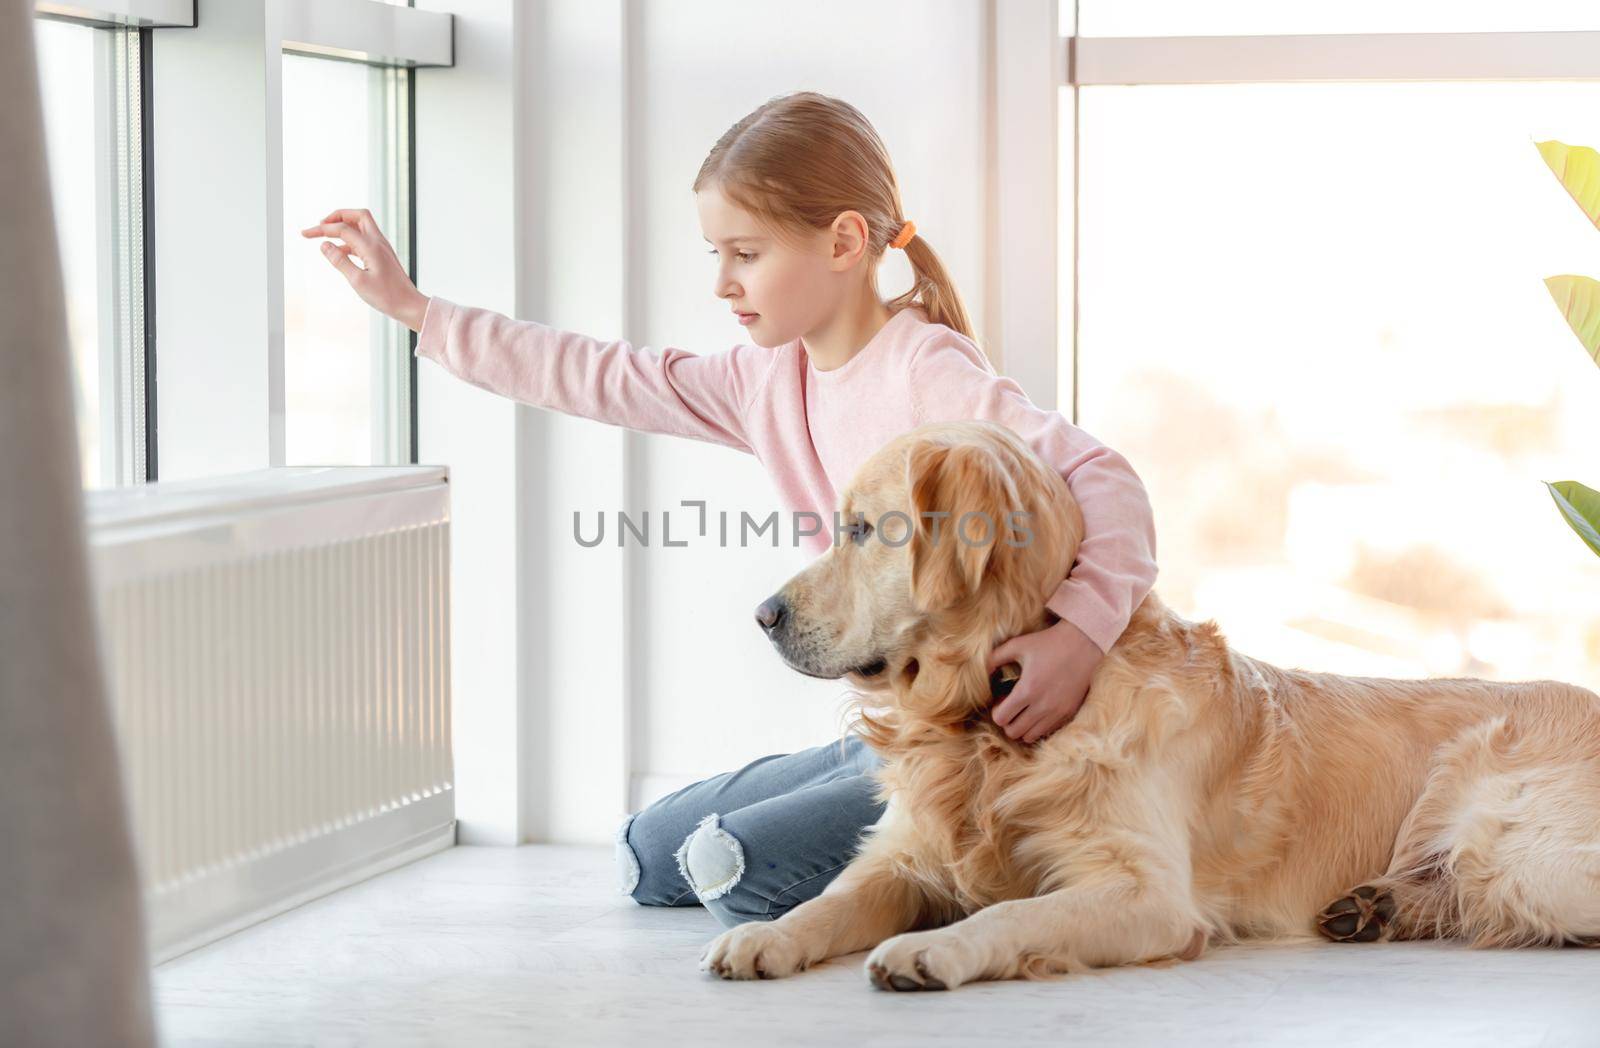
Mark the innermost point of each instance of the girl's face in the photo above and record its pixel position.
(791, 289)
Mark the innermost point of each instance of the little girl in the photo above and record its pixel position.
(799, 203)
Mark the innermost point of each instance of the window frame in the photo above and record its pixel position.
(396, 41)
(124, 232)
(222, 389)
(134, 14)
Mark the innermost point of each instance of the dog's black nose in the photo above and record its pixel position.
(770, 613)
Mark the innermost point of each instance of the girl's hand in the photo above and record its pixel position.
(1057, 663)
(383, 283)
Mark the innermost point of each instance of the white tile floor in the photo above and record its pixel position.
(488, 946)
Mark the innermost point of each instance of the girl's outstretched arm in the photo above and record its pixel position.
(667, 391)
(1116, 564)
(658, 391)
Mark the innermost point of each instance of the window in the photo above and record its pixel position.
(203, 146)
(91, 90)
(1313, 317)
(348, 370)
(1251, 17)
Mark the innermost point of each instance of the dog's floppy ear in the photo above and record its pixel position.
(947, 481)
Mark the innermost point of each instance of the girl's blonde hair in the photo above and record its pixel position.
(800, 160)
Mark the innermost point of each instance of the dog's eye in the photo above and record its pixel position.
(859, 531)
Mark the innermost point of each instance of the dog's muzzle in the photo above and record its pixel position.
(774, 618)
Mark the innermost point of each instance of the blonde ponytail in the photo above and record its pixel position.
(933, 290)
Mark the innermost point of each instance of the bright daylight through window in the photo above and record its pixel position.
(1314, 317)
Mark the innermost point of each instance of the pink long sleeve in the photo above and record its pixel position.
(1116, 564)
(658, 391)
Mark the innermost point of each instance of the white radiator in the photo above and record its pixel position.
(277, 646)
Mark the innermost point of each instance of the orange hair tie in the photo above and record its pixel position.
(903, 238)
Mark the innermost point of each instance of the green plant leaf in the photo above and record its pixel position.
(1581, 507)
(1578, 298)
(1578, 170)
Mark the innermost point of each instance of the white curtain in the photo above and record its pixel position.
(73, 960)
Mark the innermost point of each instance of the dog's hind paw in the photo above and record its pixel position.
(1363, 915)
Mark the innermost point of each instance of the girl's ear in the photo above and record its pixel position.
(947, 483)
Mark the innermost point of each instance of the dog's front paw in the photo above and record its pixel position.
(754, 950)
(931, 960)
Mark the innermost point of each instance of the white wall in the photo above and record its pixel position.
(574, 226)
(467, 252)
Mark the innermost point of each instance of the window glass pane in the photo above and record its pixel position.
(1247, 17)
(1313, 317)
(347, 368)
(327, 164)
(67, 86)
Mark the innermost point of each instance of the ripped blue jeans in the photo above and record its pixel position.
(751, 844)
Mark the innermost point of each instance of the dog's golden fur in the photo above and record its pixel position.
(1198, 797)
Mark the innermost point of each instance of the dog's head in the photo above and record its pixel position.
(953, 535)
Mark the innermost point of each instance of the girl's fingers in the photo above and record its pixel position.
(346, 250)
(343, 230)
(359, 217)
(1011, 707)
(321, 229)
(340, 258)
(1001, 655)
(369, 250)
(1032, 727)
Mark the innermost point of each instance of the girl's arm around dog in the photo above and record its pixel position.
(1116, 565)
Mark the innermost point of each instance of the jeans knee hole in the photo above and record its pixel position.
(711, 859)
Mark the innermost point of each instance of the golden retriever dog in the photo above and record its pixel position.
(1199, 796)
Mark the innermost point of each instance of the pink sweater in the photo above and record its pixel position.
(811, 429)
